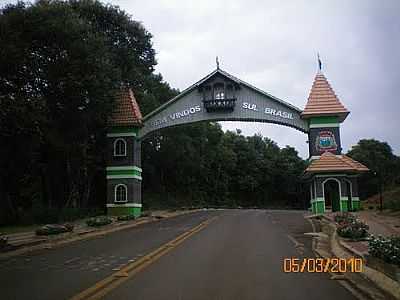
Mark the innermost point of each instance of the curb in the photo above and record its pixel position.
(80, 236)
(383, 282)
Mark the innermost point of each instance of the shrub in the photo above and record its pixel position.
(350, 226)
(344, 217)
(54, 229)
(126, 218)
(3, 242)
(99, 221)
(387, 249)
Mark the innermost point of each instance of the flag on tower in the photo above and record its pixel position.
(319, 63)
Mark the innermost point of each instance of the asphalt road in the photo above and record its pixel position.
(237, 256)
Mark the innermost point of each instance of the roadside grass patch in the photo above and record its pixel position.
(392, 204)
(17, 229)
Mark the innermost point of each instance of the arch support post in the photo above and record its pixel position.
(124, 172)
(317, 200)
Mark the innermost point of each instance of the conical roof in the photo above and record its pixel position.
(329, 162)
(126, 111)
(323, 101)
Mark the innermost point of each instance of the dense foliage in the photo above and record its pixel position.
(60, 64)
(386, 248)
(200, 165)
(384, 166)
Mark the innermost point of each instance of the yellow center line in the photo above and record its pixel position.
(106, 285)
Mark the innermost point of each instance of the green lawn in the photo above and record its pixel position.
(17, 228)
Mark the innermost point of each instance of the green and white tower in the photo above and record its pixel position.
(331, 174)
(124, 173)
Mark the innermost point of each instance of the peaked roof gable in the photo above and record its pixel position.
(329, 162)
(126, 111)
(225, 74)
(323, 101)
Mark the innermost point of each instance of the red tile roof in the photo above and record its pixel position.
(126, 111)
(323, 101)
(329, 162)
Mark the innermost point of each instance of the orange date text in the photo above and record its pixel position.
(322, 265)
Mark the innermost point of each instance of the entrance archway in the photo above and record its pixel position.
(222, 97)
(332, 192)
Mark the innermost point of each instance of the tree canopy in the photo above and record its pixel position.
(199, 164)
(60, 65)
(384, 165)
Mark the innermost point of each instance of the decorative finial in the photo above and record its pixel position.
(217, 62)
(319, 63)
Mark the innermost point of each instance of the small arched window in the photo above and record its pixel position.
(119, 147)
(121, 193)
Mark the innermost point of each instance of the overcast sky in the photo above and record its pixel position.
(273, 45)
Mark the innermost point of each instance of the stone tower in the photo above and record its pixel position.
(124, 173)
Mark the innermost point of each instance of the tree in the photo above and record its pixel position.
(383, 164)
(60, 65)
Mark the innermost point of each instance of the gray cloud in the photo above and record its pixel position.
(273, 45)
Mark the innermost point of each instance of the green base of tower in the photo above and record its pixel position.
(318, 207)
(356, 205)
(124, 211)
(344, 205)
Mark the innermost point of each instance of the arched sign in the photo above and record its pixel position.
(222, 97)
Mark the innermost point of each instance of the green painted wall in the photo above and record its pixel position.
(344, 205)
(318, 207)
(323, 120)
(123, 210)
(123, 130)
(356, 205)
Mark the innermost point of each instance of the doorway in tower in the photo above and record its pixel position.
(332, 194)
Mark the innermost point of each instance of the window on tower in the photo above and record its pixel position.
(121, 193)
(219, 92)
(120, 147)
